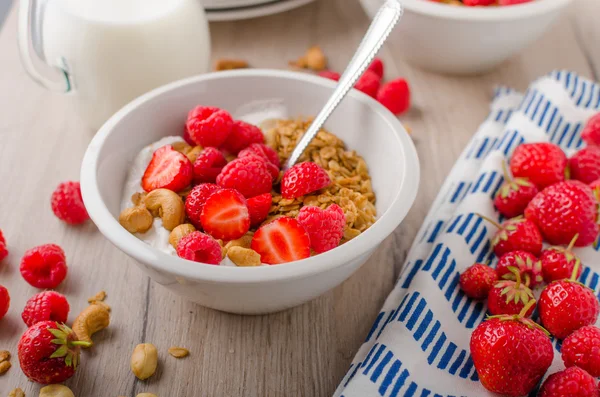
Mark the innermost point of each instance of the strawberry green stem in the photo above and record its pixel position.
(507, 177)
(575, 270)
(489, 220)
(527, 279)
(80, 343)
(573, 241)
(528, 306)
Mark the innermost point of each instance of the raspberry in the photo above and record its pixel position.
(572, 382)
(591, 132)
(249, 175)
(242, 135)
(44, 306)
(512, 2)
(3, 249)
(324, 227)
(195, 200)
(582, 349)
(209, 126)
(474, 3)
(328, 74)
(395, 95)
(269, 155)
(67, 203)
(200, 247)
(303, 178)
(258, 208)
(543, 163)
(44, 266)
(4, 301)
(477, 281)
(377, 67)
(208, 165)
(368, 83)
(585, 164)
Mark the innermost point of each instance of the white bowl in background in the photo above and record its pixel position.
(360, 121)
(465, 40)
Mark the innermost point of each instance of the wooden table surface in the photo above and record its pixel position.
(300, 352)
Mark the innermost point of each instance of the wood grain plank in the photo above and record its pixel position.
(585, 22)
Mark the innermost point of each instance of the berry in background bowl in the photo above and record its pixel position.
(153, 119)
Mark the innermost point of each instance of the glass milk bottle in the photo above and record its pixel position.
(107, 52)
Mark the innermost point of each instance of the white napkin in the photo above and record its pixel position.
(419, 343)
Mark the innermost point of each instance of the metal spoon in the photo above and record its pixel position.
(388, 15)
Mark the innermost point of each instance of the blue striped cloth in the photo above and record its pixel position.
(419, 343)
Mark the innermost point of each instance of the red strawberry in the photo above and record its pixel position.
(543, 163)
(303, 178)
(395, 96)
(208, 165)
(258, 208)
(377, 67)
(209, 126)
(328, 74)
(514, 195)
(516, 234)
(368, 83)
(563, 210)
(44, 266)
(510, 297)
(168, 169)
(200, 247)
(477, 281)
(475, 3)
(324, 227)
(591, 132)
(242, 135)
(572, 382)
(4, 301)
(45, 306)
(3, 249)
(530, 268)
(566, 305)
(194, 202)
(249, 175)
(584, 165)
(282, 240)
(225, 215)
(559, 262)
(49, 352)
(266, 153)
(511, 354)
(67, 203)
(582, 349)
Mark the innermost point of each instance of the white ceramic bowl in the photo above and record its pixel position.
(465, 40)
(360, 121)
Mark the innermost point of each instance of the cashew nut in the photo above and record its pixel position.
(144, 360)
(180, 232)
(243, 256)
(192, 155)
(100, 296)
(4, 366)
(168, 206)
(182, 147)
(243, 242)
(56, 391)
(138, 198)
(18, 392)
(91, 320)
(136, 219)
(178, 352)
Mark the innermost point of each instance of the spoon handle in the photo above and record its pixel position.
(383, 23)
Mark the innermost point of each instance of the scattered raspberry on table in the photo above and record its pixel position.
(4, 301)
(44, 266)
(3, 249)
(67, 203)
(44, 306)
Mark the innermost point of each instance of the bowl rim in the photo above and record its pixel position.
(144, 253)
(506, 13)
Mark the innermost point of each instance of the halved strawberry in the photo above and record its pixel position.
(225, 215)
(280, 241)
(259, 207)
(168, 169)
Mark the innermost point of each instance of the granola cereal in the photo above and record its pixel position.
(351, 184)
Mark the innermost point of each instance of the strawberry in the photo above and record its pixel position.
(530, 268)
(209, 126)
(194, 202)
(559, 262)
(249, 175)
(303, 178)
(582, 349)
(510, 297)
(584, 165)
(542, 163)
(514, 195)
(49, 352)
(477, 281)
(369, 83)
(328, 74)
(572, 382)
(242, 135)
(168, 169)
(595, 186)
(511, 353)
(591, 131)
(225, 215)
(563, 210)
(282, 240)
(516, 234)
(208, 165)
(377, 67)
(324, 227)
(395, 96)
(258, 208)
(566, 305)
